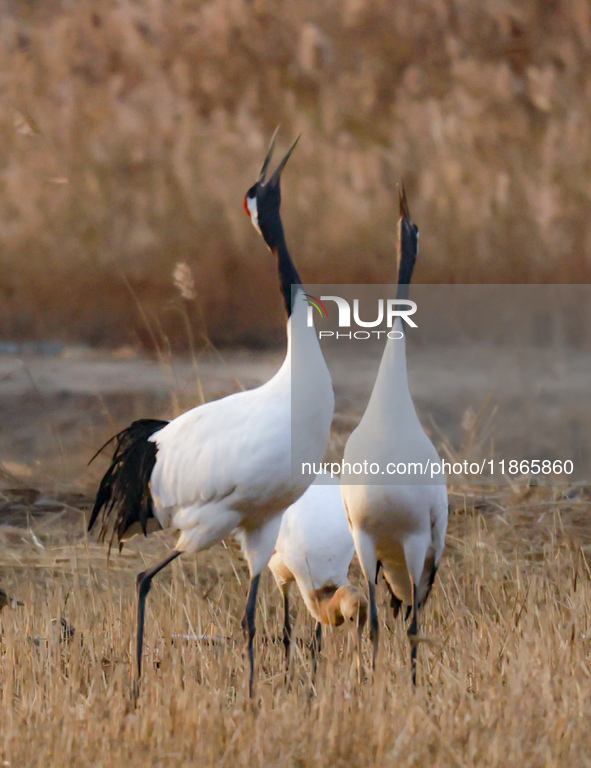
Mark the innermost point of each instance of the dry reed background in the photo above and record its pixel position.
(129, 132)
(505, 672)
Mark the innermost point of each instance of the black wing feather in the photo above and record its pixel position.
(125, 487)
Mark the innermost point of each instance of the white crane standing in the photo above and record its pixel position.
(226, 466)
(401, 527)
(314, 548)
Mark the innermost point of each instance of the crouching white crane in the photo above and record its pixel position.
(314, 548)
(401, 527)
(226, 466)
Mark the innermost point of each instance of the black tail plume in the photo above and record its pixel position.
(125, 487)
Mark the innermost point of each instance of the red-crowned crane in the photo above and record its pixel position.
(401, 527)
(226, 466)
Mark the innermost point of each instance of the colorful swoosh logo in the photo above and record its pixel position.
(317, 304)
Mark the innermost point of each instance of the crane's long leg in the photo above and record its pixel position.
(286, 628)
(316, 648)
(358, 649)
(373, 622)
(413, 632)
(144, 583)
(248, 624)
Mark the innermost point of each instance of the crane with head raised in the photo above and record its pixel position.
(402, 527)
(226, 466)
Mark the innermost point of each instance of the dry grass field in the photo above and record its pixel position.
(130, 130)
(505, 677)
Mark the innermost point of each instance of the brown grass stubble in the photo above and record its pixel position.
(504, 668)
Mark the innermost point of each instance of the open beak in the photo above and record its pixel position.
(275, 177)
(268, 157)
(281, 166)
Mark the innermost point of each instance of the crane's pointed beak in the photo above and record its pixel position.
(277, 174)
(404, 212)
(267, 160)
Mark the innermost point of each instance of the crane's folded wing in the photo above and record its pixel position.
(237, 446)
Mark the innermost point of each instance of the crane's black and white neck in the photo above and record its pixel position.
(262, 203)
(408, 246)
(225, 467)
(402, 527)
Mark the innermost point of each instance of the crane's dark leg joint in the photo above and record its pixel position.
(144, 584)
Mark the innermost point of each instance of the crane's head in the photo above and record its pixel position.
(348, 606)
(263, 199)
(408, 240)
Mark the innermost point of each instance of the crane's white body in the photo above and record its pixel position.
(314, 547)
(233, 465)
(401, 526)
(227, 464)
